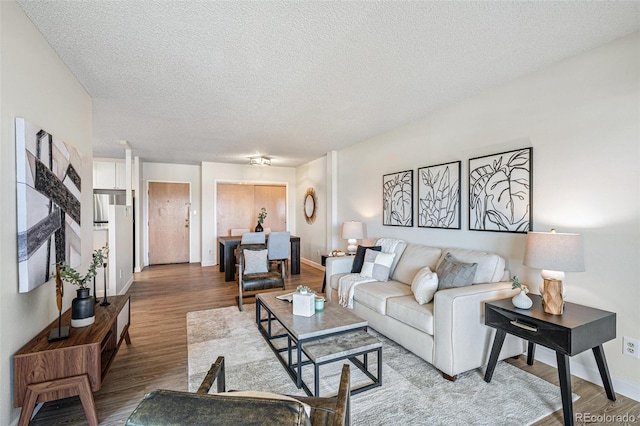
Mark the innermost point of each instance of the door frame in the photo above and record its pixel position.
(216, 246)
(145, 218)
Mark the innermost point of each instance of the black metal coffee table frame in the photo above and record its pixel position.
(296, 340)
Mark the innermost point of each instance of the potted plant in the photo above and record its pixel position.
(82, 307)
(520, 300)
(261, 217)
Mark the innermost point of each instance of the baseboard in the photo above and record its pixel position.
(208, 263)
(621, 386)
(127, 286)
(311, 263)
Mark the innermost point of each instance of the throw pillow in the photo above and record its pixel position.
(424, 285)
(359, 259)
(255, 261)
(453, 273)
(377, 265)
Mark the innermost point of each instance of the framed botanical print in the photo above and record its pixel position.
(500, 192)
(439, 196)
(397, 199)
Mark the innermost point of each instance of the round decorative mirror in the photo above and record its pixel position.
(309, 205)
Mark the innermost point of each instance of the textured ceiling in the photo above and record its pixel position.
(192, 81)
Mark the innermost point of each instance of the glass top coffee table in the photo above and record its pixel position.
(329, 335)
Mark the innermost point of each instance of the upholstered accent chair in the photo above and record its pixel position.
(254, 274)
(236, 408)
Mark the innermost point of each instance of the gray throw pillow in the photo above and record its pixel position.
(358, 261)
(255, 261)
(453, 273)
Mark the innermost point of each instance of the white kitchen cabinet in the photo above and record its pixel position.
(109, 175)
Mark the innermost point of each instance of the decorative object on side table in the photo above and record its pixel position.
(520, 300)
(82, 307)
(261, 217)
(555, 254)
(352, 232)
(61, 332)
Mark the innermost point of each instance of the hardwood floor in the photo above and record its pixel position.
(161, 296)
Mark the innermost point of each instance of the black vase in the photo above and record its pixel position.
(259, 227)
(82, 309)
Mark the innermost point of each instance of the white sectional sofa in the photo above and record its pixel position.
(448, 332)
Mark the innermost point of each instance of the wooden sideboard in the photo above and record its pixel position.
(46, 371)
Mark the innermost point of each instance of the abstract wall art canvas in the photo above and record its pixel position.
(439, 196)
(397, 199)
(500, 192)
(48, 197)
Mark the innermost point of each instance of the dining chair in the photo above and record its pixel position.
(278, 246)
(253, 238)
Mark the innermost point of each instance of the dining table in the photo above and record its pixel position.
(227, 257)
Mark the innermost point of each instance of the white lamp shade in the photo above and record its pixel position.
(554, 251)
(352, 230)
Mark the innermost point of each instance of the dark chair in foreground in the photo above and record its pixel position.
(254, 274)
(163, 407)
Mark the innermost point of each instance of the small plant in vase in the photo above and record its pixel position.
(303, 289)
(261, 217)
(520, 300)
(82, 307)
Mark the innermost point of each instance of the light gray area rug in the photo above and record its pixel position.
(413, 392)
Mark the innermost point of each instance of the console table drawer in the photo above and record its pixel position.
(545, 334)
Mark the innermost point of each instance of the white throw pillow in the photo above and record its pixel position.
(377, 265)
(424, 285)
(255, 261)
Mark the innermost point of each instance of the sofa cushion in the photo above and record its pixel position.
(414, 258)
(490, 266)
(374, 295)
(424, 285)
(359, 259)
(406, 310)
(377, 265)
(454, 273)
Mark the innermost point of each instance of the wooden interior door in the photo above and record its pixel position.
(274, 199)
(238, 206)
(169, 210)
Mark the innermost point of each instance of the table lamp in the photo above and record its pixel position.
(352, 231)
(555, 254)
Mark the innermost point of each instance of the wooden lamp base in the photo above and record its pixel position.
(552, 297)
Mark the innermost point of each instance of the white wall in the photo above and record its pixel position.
(35, 85)
(312, 236)
(178, 173)
(120, 263)
(581, 118)
(214, 173)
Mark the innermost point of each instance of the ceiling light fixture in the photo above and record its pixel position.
(259, 161)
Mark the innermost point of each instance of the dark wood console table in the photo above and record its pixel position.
(578, 329)
(46, 371)
(227, 257)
